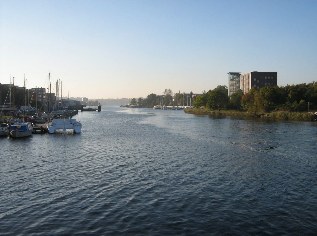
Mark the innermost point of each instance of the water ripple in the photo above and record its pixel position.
(161, 172)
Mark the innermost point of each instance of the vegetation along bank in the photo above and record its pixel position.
(291, 102)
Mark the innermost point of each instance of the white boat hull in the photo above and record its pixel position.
(63, 125)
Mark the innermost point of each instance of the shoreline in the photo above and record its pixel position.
(269, 116)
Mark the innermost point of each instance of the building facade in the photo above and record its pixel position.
(234, 82)
(38, 95)
(257, 80)
(12, 95)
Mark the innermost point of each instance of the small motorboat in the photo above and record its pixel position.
(21, 130)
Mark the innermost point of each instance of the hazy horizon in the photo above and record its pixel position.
(125, 49)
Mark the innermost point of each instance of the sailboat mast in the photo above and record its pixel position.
(36, 98)
(62, 93)
(24, 93)
(48, 92)
(50, 95)
(10, 91)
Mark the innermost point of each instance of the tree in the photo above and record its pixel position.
(151, 100)
(271, 97)
(252, 101)
(179, 99)
(168, 100)
(218, 98)
(168, 92)
(168, 97)
(235, 100)
(200, 100)
(140, 102)
(133, 102)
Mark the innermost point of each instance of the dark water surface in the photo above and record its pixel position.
(159, 172)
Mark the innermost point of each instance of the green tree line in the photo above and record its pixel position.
(300, 97)
(167, 99)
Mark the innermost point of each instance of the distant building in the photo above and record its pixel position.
(257, 80)
(12, 95)
(84, 101)
(38, 95)
(71, 104)
(250, 80)
(234, 82)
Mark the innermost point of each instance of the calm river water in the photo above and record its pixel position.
(153, 172)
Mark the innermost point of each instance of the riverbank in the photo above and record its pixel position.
(274, 116)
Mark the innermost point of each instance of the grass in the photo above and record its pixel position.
(274, 116)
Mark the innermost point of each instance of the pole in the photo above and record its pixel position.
(36, 98)
(10, 91)
(24, 99)
(13, 93)
(50, 95)
(49, 92)
(62, 93)
(24, 95)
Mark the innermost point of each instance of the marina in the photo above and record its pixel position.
(42, 112)
(57, 121)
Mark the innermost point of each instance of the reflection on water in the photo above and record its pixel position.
(142, 171)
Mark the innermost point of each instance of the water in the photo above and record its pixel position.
(153, 172)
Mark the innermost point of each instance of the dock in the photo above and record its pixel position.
(94, 108)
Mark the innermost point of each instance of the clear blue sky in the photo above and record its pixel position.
(131, 48)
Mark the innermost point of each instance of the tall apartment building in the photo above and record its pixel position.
(257, 80)
(234, 82)
(250, 80)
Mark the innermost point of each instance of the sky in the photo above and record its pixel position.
(132, 48)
